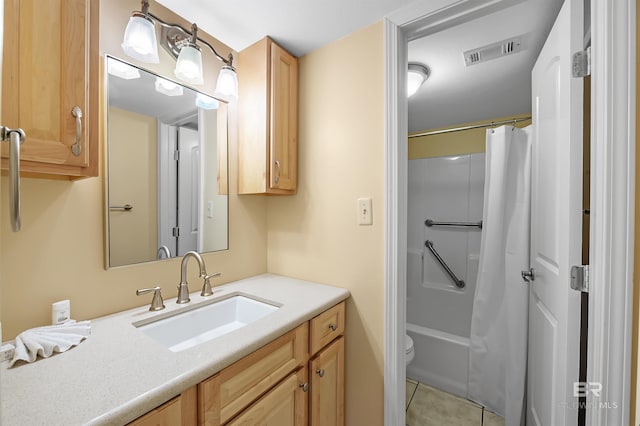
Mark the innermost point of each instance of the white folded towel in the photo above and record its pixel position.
(44, 341)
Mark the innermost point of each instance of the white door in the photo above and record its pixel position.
(188, 190)
(555, 225)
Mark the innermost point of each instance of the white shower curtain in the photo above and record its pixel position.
(498, 341)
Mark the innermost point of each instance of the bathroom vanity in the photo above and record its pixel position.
(287, 367)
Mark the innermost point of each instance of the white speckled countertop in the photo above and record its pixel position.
(119, 373)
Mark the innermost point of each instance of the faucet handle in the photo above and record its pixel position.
(206, 288)
(157, 303)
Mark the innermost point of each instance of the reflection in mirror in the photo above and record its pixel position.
(166, 168)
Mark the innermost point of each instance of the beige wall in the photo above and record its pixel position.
(314, 235)
(59, 253)
(133, 147)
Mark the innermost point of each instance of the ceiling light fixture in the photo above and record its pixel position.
(417, 75)
(140, 43)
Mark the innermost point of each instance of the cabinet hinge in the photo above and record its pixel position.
(580, 278)
(176, 231)
(582, 63)
(176, 155)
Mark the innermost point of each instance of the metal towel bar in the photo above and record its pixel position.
(15, 138)
(431, 222)
(458, 282)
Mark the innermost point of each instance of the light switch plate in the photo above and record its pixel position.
(365, 213)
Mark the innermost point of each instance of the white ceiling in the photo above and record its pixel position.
(300, 26)
(453, 94)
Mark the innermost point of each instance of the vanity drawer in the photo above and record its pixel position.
(326, 327)
(227, 393)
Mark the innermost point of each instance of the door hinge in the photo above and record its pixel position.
(176, 231)
(580, 278)
(581, 63)
(176, 155)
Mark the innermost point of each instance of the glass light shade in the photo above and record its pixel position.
(206, 102)
(227, 82)
(122, 70)
(140, 40)
(189, 65)
(414, 81)
(167, 87)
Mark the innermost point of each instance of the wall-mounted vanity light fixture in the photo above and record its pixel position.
(140, 43)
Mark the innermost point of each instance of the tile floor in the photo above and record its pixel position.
(428, 406)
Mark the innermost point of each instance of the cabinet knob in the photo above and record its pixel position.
(320, 372)
(304, 387)
(333, 327)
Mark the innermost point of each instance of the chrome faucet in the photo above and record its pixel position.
(183, 288)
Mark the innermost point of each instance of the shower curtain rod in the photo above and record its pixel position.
(475, 126)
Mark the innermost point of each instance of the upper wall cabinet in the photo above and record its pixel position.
(267, 120)
(50, 84)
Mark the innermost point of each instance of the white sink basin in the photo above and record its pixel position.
(194, 325)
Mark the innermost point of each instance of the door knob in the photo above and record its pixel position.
(528, 276)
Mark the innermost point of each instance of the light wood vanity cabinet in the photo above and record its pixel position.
(51, 66)
(267, 120)
(326, 368)
(297, 380)
(181, 410)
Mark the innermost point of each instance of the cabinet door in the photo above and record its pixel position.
(327, 386)
(181, 410)
(284, 120)
(226, 394)
(284, 405)
(50, 68)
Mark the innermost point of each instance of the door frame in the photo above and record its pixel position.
(612, 195)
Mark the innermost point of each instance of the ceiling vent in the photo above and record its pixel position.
(493, 51)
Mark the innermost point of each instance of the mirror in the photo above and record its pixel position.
(166, 167)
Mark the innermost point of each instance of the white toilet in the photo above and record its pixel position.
(408, 346)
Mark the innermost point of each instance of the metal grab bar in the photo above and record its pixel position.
(459, 283)
(126, 207)
(15, 138)
(431, 222)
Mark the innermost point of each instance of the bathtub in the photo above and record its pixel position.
(441, 361)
